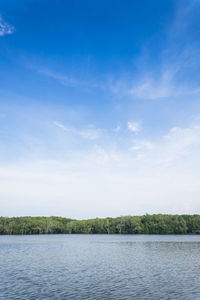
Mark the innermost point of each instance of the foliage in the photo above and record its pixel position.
(147, 224)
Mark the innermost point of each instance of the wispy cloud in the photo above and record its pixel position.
(5, 28)
(133, 127)
(59, 125)
(169, 76)
(165, 83)
(177, 61)
(151, 88)
(70, 80)
(89, 132)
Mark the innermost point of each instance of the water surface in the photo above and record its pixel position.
(100, 267)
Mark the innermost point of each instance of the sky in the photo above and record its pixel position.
(99, 107)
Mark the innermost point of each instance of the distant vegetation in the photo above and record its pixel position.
(147, 224)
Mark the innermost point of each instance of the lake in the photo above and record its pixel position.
(100, 267)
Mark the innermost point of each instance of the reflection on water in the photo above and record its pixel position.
(100, 267)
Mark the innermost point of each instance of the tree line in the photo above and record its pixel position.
(147, 224)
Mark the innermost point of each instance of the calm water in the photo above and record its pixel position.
(100, 267)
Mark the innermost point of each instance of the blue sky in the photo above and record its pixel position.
(99, 107)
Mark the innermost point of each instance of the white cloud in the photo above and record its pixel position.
(90, 133)
(133, 127)
(103, 182)
(180, 143)
(101, 156)
(5, 28)
(139, 145)
(104, 176)
(178, 148)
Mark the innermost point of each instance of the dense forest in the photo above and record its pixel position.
(147, 224)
